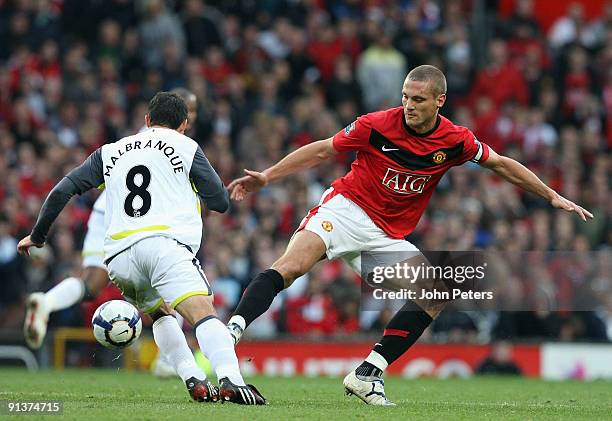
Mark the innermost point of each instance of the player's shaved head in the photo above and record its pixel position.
(428, 73)
(184, 93)
(192, 104)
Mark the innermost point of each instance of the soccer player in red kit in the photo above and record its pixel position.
(402, 153)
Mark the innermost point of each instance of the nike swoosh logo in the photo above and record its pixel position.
(385, 149)
(125, 331)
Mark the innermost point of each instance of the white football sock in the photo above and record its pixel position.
(377, 360)
(239, 320)
(68, 292)
(165, 358)
(179, 319)
(173, 346)
(217, 345)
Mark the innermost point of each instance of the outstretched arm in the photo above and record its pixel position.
(518, 174)
(305, 157)
(79, 180)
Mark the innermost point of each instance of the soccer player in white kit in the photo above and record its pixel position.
(152, 181)
(95, 276)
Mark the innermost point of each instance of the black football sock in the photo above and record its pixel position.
(401, 333)
(259, 295)
(367, 369)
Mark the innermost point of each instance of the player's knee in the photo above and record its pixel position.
(196, 307)
(164, 310)
(290, 270)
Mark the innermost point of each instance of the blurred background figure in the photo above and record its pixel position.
(500, 361)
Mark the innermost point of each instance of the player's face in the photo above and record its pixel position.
(420, 105)
(192, 112)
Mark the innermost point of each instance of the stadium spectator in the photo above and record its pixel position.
(380, 71)
(201, 31)
(500, 361)
(568, 28)
(159, 26)
(500, 68)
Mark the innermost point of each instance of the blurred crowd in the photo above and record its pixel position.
(273, 75)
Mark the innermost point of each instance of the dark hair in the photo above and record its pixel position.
(428, 73)
(167, 109)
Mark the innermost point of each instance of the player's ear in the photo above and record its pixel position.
(441, 100)
(181, 129)
(148, 120)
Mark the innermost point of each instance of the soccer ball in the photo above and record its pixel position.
(116, 324)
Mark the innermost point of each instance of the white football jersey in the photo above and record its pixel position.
(148, 191)
(100, 203)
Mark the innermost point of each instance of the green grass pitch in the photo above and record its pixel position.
(122, 395)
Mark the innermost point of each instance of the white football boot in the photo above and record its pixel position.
(371, 391)
(37, 317)
(163, 368)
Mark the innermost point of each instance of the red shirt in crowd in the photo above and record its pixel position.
(489, 83)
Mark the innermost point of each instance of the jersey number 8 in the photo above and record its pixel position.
(139, 191)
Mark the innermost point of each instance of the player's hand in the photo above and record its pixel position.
(561, 202)
(24, 246)
(251, 182)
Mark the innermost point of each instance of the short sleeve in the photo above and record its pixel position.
(473, 149)
(354, 137)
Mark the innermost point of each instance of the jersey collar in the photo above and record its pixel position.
(427, 133)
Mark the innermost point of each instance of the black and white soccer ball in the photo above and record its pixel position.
(116, 324)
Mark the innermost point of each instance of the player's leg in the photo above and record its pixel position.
(325, 232)
(402, 331)
(63, 295)
(131, 271)
(178, 277)
(171, 342)
(71, 290)
(162, 365)
(217, 345)
(304, 250)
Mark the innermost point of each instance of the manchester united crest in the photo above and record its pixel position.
(439, 157)
(327, 226)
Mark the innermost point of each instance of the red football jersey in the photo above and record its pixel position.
(396, 169)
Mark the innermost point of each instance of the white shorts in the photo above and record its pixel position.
(93, 245)
(157, 270)
(348, 231)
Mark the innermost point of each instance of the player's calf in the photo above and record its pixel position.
(63, 295)
(213, 337)
(172, 344)
(256, 300)
(304, 250)
(95, 279)
(401, 333)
